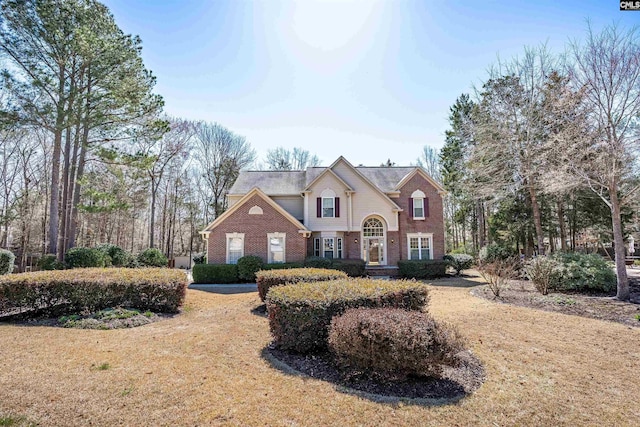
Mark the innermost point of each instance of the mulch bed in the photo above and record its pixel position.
(603, 307)
(455, 384)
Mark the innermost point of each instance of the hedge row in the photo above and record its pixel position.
(300, 314)
(422, 269)
(267, 279)
(353, 267)
(105, 255)
(71, 291)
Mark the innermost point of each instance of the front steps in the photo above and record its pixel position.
(381, 271)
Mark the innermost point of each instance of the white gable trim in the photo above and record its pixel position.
(367, 181)
(439, 188)
(255, 191)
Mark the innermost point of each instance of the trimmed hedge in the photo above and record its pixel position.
(300, 314)
(584, 273)
(267, 279)
(282, 266)
(317, 262)
(422, 269)
(459, 262)
(6, 261)
(394, 343)
(152, 257)
(215, 273)
(80, 257)
(248, 266)
(72, 291)
(353, 267)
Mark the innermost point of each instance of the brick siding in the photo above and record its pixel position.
(255, 229)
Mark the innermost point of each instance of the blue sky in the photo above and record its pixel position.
(371, 80)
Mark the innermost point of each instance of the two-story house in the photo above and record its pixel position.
(379, 214)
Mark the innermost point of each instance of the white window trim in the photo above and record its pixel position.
(234, 236)
(333, 207)
(339, 249)
(418, 196)
(428, 236)
(282, 236)
(324, 239)
(316, 246)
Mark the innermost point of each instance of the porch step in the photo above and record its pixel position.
(382, 272)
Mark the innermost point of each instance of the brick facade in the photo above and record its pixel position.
(434, 223)
(255, 229)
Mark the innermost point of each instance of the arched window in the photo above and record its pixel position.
(419, 205)
(373, 227)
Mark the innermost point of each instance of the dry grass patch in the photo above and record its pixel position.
(204, 367)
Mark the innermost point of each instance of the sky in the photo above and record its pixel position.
(370, 80)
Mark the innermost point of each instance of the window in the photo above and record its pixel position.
(418, 208)
(373, 227)
(328, 207)
(276, 242)
(419, 205)
(328, 247)
(235, 247)
(316, 247)
(339, 246)
(419, 246)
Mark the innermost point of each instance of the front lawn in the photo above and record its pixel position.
(205, 367)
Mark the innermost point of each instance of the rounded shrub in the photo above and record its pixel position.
(394, 343)
(6, 261)
(152, 257)
(50, 262)
(248, 266)
(266, 279)
(585, 273)
(459, 262)
(119, 257)
(80, 257)
(300, 314)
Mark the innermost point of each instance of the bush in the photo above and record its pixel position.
(72, 291)
(317, 262)
(459, 262)
(498, 273)
(215, 273)
(585, 272)
(119, 257)
(6, 261)
(267, 279)
(494, 252)
(200, 258)
(282, 266)
(248, 266)
(353, 267)
(422, 269)
(80, 257)
(152, 257)
(394, 343)
(50, 262)
(544, 272)
(300, 314)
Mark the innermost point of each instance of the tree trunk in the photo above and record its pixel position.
(618, 241)
(152, 216)
(537, 220)
(563, 226)
(54, 202)
(481, 224)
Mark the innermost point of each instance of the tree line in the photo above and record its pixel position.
(545, 151)
(87, 155)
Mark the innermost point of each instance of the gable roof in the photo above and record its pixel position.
(273, 183)
(418, 170)
(279, 183)
(254, 192)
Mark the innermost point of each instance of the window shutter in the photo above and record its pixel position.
(337, 207)
(426, 206)
(410, 207)
(319, 207)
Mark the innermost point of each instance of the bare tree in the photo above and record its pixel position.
(605, 155)
(430, 161)
(220, 155)
(297, 159)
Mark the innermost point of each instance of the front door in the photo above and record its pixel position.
(374, 250)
